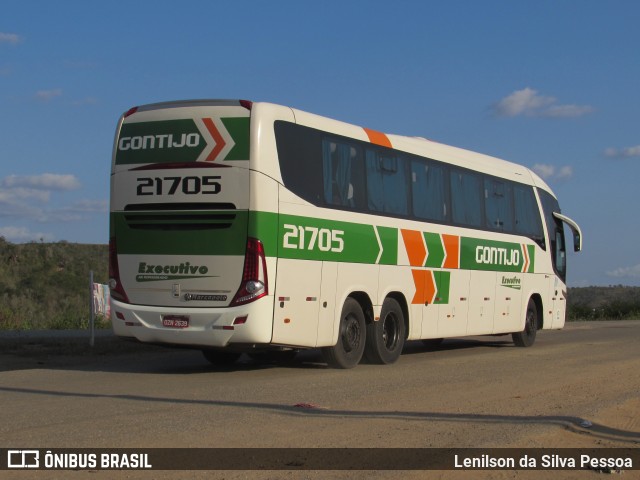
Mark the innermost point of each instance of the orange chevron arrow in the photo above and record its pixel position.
(217, 137)
(525, 252)
(425, 286)
(414, 243)
(452, 249)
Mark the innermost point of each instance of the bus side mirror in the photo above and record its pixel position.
(577, 241)
(577, 233)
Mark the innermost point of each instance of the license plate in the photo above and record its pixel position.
(175, 321)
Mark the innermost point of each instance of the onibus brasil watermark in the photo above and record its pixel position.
(598, 459)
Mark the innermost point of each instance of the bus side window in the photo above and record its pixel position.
(466, 198)
(428, 191)
(342, 172)
(386, 183)
(498, 205)
(527, 215)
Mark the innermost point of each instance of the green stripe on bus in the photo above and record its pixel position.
(532, 255)
(298, 237)
(138, 235)
(435, 250)
(264, 227)
(330, 240)
(238, 128)
(304, 238)
(491, 255)
(389, 241)
(159, 142)
(443, 285)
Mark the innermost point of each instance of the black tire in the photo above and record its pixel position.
(221, 357)
(527, 337)
(385, 338)
(347, 353)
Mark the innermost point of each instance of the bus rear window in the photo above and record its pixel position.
(300, 158)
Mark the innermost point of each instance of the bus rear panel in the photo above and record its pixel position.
(183, 268)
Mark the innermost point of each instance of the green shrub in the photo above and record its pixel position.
(46, 285)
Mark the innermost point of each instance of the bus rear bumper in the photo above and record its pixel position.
(197, 327)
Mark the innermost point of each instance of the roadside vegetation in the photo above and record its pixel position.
(604, 303)
(46, 286)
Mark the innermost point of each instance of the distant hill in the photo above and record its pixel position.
(604, 303)
(45, 285)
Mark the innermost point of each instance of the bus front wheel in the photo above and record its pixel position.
(347, 353)
(385, 337)
(527, 337)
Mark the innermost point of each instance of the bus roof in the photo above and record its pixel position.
(414, 145)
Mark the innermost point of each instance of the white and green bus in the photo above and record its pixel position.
(251, 227)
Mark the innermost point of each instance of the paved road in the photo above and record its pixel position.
(475, 392)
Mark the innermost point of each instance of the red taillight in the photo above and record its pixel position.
(115, 286)
(246, 104)
(130, 112)
(254, 284)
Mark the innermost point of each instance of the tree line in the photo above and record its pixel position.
(46, 285)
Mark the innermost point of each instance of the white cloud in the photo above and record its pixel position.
(76, 212)
(528, 102)
(88, 206)
(23, 234)
(28, 197)
(34, 200)
(627, 152)
(551, 172)
(48, 95)
(11, 38)
(21, 209)
(13, 194)
(545, 171)
(564, 173)
(521, 102)
(633, 271)
(47, 181)
(566, 111)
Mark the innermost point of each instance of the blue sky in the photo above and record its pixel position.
(553, 85)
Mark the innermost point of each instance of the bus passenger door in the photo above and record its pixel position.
(559, 290)
(558, 310)
(295, 317)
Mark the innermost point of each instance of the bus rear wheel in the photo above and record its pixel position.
(527, 337)
(385, 337)
(347, 353)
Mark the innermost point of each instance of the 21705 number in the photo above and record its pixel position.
(208, 185)
(298, 237)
